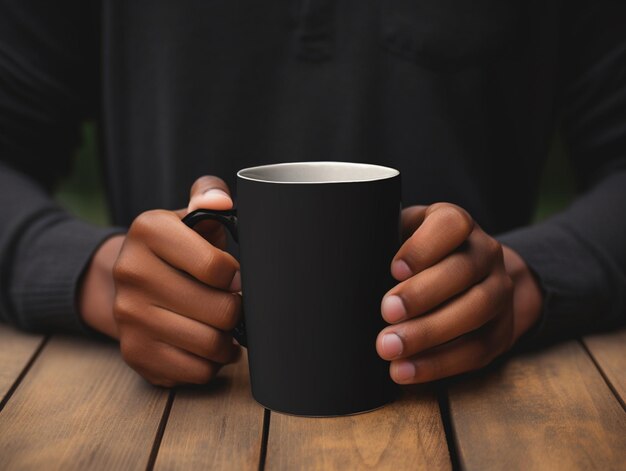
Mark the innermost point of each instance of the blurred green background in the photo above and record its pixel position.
(557, 182)
(82, 192)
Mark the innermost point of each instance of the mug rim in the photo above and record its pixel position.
(385, 173)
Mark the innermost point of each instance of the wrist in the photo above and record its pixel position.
(527, 294)
(97, 290)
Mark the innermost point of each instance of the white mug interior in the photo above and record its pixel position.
(317, 172)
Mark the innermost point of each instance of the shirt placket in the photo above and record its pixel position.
(315, 30)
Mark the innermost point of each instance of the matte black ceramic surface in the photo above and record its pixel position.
(315, 251)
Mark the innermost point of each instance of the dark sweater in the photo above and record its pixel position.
(462, 97)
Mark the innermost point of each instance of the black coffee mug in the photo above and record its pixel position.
(316, 240)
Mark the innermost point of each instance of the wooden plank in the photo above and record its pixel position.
(609, 352)
(16, 350)
(80, 407)
(217, 426)
(407, 434)
(547, 410)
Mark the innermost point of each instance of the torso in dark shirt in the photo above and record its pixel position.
(458, 96)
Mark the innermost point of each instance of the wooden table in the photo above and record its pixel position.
(69, 403)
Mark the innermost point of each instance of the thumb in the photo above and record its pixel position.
(209, 192)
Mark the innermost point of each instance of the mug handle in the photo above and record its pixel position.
(228, 218)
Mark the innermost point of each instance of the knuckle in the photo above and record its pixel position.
(215, 268)
(134, 353)
(125, 309)
(413, 254)
(227, 310)
(207, 265)
(464, 267)
(484, 355)
(493, 248)
(438, 206)
(484, 255)
(216, 347)
(213, 344)
(483, 303)
(145, 223)
(508, 286)
(124, 271)
(122, 310)
(130, 351)
(456, 217)
(204, 373)
(504, 294)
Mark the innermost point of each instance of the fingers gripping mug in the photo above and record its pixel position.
(316, 240)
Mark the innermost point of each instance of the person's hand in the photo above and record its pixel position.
(463, 299)
(176, 293)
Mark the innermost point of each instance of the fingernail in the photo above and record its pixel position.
(404, 371)
(400, 270)
(391, 345)
(393, 309)
(215, 194)
(235, 285)
(211, 199)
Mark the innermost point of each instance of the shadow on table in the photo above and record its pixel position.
(218, 385)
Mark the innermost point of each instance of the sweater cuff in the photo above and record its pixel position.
(575, 279)
(53, 256)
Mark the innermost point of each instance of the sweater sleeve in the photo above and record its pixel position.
(579, 255)
(49, 59)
